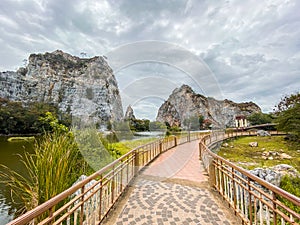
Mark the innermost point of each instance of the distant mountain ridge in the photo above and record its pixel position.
(184, 103)
(84, 87)
(87, 88)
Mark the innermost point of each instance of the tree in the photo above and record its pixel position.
(16, 118)
(139, 125)
(287, 102)
(25, 61)
(288, 111)
(157, 126)
(83, 54)
(50, 121)
(260, 118)
(289, 120)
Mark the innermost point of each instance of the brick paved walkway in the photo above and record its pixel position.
(172, 190)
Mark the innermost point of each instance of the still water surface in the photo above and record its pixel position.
(9, 152)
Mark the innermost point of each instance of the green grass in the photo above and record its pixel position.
(125, 146)
(248, 157)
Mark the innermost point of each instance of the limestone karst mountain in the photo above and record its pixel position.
(83, 87)
(184, 103)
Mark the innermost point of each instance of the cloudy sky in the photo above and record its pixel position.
(249, 50)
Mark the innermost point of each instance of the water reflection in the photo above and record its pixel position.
(10, 156)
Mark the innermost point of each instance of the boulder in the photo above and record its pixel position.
(285, 156)
(274, 174)
(285, 169)
(263, 133)
(253, 144)
(225, 145)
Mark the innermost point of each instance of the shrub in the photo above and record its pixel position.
(260, 118)
(291, 185)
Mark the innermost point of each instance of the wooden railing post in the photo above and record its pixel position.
(200, 151)
(222, 183)
(82, 207)
(51, 214)
(212, 174)
(136, 162)
(274, 208)
(250, 201)
(234, 190)
(113, 186)
(100, 200)
(175, 141)
(160, 147)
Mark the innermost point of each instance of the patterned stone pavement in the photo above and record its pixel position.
(172, 190)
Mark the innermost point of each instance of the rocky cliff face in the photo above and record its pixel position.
(184, 103)
(83, 87)
(129, 113)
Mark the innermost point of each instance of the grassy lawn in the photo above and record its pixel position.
(125, 146)
(242, 154)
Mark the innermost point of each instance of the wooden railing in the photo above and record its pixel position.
(254, 200)
(89, 201)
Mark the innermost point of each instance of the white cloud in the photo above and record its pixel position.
(251, 47)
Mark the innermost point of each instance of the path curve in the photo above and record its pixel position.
(173, 189)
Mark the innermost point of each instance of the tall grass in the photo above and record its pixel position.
(53, 167)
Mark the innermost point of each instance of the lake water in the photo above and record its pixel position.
(9, 152)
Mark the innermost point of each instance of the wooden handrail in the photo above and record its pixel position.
(105, 192)
(228, 171)
(129, 159)
(264, 183)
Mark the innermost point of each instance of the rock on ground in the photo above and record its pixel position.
(263, 133)
(253, 144)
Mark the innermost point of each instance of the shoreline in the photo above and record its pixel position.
(20, 135)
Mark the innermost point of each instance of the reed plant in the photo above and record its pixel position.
(53, 167)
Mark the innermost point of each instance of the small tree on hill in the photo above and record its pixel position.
(287, 102)
(288, 111)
